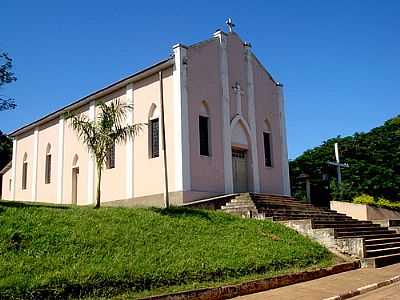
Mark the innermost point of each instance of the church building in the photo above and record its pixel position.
(224, 131)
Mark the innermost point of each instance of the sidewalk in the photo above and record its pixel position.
(328, 286)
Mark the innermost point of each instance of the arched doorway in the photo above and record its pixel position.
(75, 180)
(240, 157)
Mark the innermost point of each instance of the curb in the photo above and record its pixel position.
(255, 286)
(365, 289)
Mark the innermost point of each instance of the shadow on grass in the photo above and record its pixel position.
(5, 203)
(182, 212)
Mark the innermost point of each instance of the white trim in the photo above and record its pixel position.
(91, 162)
(129, 145)
(285, 161)
(226, 128)
(14, 168)
(60, 161)
(181, 120)
(252, 120)
(35, 163)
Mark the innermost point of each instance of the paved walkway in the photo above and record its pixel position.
(328, 286)
(391, 292)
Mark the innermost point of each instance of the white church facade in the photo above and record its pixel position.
(224, 131)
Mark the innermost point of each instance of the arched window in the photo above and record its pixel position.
(47, 175)
(154, 132)
(204, 130)
(24, 171)
(267, 137)
(110, 157)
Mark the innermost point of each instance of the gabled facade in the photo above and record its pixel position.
(224, 129)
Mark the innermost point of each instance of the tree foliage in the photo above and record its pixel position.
(100, 135)
(6, 76)
(374, 165)
(5, 149)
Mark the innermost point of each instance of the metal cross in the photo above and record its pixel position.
(230, 24)
(338, 165)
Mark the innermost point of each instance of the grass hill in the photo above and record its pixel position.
(49, 252)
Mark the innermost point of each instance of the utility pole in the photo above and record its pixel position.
(164, 145)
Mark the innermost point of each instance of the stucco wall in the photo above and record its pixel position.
(24, 145)
(267, 107)
(204, 84)
(364, 212)
(48, 135)
(73, 146)
(6, 187)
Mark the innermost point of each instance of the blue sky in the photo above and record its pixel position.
(339, 60)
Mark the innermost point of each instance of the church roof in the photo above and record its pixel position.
(6, 168)
(106, 90)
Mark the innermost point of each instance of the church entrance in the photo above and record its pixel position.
(239, 170)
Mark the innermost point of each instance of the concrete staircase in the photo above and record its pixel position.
(375, 245)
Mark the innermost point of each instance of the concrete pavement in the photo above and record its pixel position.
(329, 286)
(391, 292)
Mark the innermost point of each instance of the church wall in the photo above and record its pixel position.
(267, 107)
(6, 190)
(204, 84)
(73, 146)
(237, 73)
(48, 134)
(148, 172)
(24, 145)
(113, 180)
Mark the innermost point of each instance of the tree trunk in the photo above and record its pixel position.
(98, 186)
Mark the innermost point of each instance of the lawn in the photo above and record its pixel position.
(112, 252)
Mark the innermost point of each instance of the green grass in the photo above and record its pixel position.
(118, 252)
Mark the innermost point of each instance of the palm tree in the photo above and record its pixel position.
(101, 134)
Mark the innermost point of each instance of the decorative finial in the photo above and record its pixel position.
(230, 24)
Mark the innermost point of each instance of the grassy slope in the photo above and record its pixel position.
(80, 251)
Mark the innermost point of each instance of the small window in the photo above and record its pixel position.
(154, 138)
(9, 184)
(47, 179)
(267, 149)
(110, 157)
(203, 136)
(24, 175)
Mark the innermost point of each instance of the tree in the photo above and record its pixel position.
(374, 160)
(5, 149)
(6, 76)
(101, 134)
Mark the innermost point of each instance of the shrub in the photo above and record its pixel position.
(364, 199)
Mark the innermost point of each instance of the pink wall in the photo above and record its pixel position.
(267, 107)
(204, 84)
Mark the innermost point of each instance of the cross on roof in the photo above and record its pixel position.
(230, 24)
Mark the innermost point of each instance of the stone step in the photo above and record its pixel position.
(355, 229)
(283, 210)
(369, 235)
(343, 225)
(238, 207)
(381, 261)
(319, 218)
(382, 245)
(374, 241)
(382, 252)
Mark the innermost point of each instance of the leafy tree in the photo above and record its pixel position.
(6, 76)
(100, 135)
(5, 149)
(374, 160)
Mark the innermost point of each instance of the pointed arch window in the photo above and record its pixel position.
(24, 172)
(110, 157)
(47, 175)
(204, 130)
(267, 144)
(154, 132)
